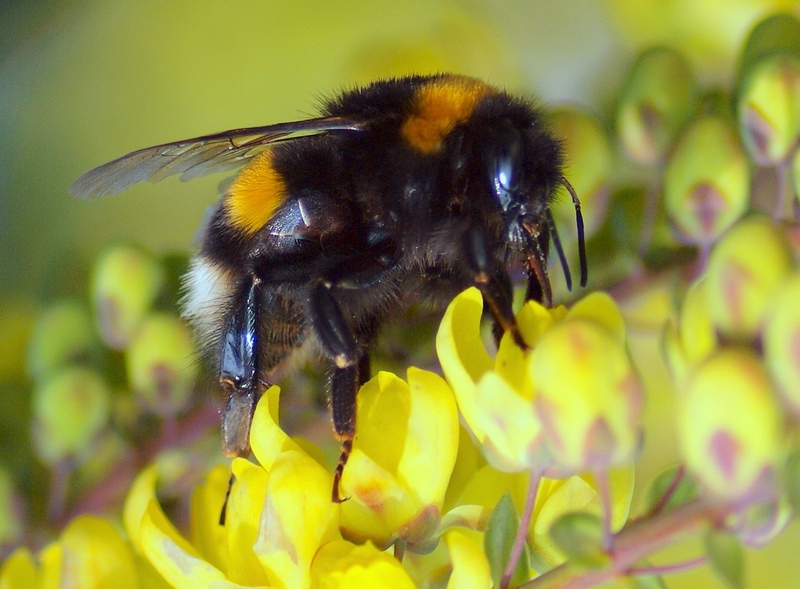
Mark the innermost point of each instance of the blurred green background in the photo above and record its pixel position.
(84, 81)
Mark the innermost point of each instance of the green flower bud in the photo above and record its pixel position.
(779, 33)
(63, 335)
(744, 272)
(70, 409)
(707, 180)
(730, 428)
(782, 343)
(588, 396)
(768, 108)
(693, 338)
(758, 525)
(125, 283)
(589, 158)
(161, 364)
(656, 100)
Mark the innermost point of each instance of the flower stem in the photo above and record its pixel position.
(673, 486)
(636, 541)
(522, 531)
(666, 569)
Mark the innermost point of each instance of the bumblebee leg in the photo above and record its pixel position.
(238, 372)
(334, 333)
(493, 284)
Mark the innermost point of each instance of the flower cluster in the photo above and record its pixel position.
(414, 478)
(514, 467)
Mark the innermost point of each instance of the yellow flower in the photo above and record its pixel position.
(342, 565)
(572, 404)
(90, 554)
(402, 458)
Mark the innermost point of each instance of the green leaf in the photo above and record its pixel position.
(580, 537)
(685, 491)
(647, 582)
(726, 557)
(498, 541)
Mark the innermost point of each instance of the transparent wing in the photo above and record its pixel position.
(198, 156)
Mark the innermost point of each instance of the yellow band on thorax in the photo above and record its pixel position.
(438, 107)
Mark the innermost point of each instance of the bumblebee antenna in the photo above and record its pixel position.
(551, 226)
(579, 222)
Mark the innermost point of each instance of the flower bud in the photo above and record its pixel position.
(587, 395)
(745, 270)
(782, 343)
(693, 338)
(768, 108)
(63, 335)
(730, 428)
(656, 100)
(70, 409)
(126, 281)
(707, 180)
(161, 364)
(588, 167)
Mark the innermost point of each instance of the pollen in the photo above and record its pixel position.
(439, 107)
(255, 194)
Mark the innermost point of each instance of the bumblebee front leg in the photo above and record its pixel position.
(238, 372)
(493, 283)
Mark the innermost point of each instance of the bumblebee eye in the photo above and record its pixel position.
(504, 151)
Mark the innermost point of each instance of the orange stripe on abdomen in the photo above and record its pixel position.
(255, 194)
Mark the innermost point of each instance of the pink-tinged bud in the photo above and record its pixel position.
(70, 409)
(588, 396)
(730, 428)
(707, 180)
(125, 282)
(161, 364)
(745, 271)
(655, 101)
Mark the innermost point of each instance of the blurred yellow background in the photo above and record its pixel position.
(85, 81)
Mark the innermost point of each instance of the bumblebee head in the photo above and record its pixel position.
(518, 163)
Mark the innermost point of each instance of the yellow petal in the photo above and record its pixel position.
(95, 555)
(267, 439)
(174, 558)
(244, 510)
(298, 517)
(341, 565)
(142, 491)
(378, 504)
(512, 429)
(600, 308)
(206, 504)
(470, 567)
(461, 352)
(432, 439)
(50, 559)
(19, 571)
(384, 407)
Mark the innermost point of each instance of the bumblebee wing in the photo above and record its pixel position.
(198, 156)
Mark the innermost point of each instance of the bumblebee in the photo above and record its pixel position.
(405, 189)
